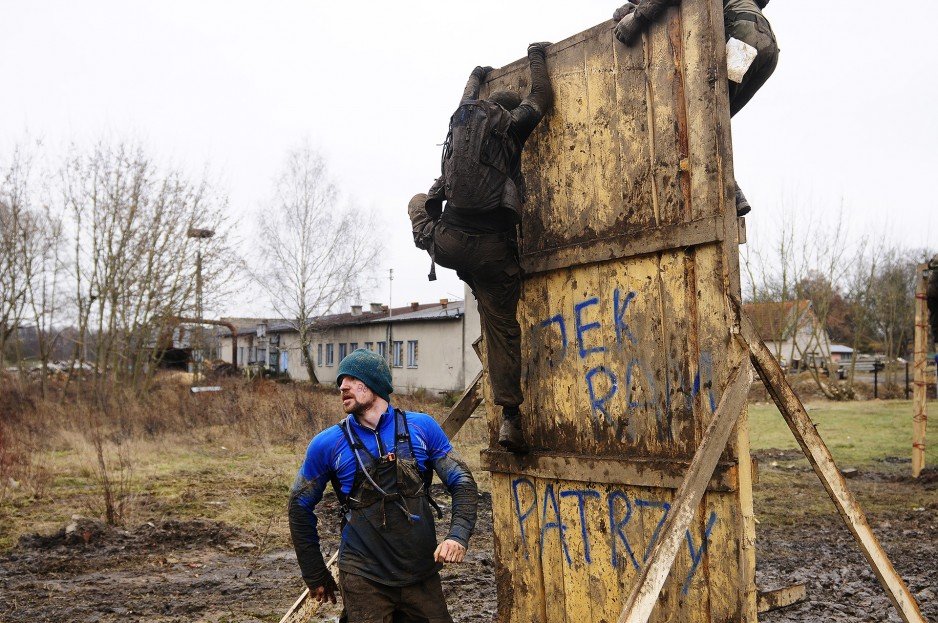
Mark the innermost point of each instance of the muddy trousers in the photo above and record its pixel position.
(756, 31)
(488, 263)
(367, 601)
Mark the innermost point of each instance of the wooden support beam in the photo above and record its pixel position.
(823, 463)
(919, 384)
(647, 587)
(463, 408)
(662, 238)
(779, 598)
(305, 607)
(634, 472)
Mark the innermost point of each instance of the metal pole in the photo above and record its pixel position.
(907, 388)
(875, 381)
(390, 354)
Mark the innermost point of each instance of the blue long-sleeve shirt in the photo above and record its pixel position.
(329, 455)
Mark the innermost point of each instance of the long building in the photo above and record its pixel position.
(428, 346)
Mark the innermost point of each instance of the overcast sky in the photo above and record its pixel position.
(848, 116)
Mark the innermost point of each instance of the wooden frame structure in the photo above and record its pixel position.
(919, 362)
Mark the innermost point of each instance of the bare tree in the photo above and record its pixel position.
(132, 263)
(318, 252)
(20, 246)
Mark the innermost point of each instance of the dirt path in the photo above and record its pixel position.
(208, 571)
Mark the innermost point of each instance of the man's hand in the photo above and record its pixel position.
(326, 592)
(481, 72)
(449, 551)
(539, 48)
(623, 10)
(629, 28)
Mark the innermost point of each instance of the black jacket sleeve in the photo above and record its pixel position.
(533, 107)
(303, 498)
(471, 92)
(455, 474)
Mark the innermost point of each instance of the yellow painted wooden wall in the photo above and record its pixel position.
(629, 246)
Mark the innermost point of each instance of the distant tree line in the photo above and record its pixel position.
(95, 260)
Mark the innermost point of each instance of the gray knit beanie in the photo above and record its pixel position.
(370, 368)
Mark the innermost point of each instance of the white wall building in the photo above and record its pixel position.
(428, 346)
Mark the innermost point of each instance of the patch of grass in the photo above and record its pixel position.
(859, 434)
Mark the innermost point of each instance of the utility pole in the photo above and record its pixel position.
(199, 235)
(390, 354)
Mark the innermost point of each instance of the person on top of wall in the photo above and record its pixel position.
(380, 461)
(743, 20)
(476, 234)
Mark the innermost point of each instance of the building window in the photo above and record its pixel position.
(343, 351)
(353, 347)
(330, 354)
(319, 354)
(241, 360)
(398, 361)
(383, 349)
(412, 354)
(370, 346)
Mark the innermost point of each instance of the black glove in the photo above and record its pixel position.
(623, 10)
(762, 3)
(481, 72)
(539, 48)
(630, 27)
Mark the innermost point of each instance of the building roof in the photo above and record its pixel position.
(452, 310)
(840, 349)
(777, 321)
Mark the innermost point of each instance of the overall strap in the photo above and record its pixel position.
(402, 433)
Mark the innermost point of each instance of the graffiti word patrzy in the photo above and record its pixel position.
(619, 509)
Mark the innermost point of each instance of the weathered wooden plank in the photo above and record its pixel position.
(517, 529)
(919, 360)
(769, 601)
(638, 472)
(554, 554)
(625, 245)
(464, 407)
(645, 591)
(821, 460)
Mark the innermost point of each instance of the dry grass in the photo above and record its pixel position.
(229, 456)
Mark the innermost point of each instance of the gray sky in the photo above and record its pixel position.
(848, 115)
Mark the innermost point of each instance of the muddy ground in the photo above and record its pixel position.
(164, 571)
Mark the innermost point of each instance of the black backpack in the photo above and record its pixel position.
(477, 158)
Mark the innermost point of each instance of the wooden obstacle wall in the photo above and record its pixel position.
(629, 243)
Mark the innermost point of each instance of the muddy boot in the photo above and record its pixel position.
(510, 436)
(742, 204)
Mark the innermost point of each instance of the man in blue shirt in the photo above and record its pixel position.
(380, 461)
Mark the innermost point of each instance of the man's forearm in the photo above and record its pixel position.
(474, 85)
(650, 10)
(541, 93)
(306, 544)
(462, 487)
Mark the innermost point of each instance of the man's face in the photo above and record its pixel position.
(356, 397)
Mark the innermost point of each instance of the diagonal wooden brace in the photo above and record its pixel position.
(645, 591)
(823, 463)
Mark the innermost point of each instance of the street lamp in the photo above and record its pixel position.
(199, 235)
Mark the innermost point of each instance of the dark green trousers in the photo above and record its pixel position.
(488, 263)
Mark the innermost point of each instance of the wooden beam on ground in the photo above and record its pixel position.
(464, 407)
(641, 601)
(919, 384)
(823, 463)
(779, 598)
(305, 607)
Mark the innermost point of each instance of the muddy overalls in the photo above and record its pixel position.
(388, 532)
